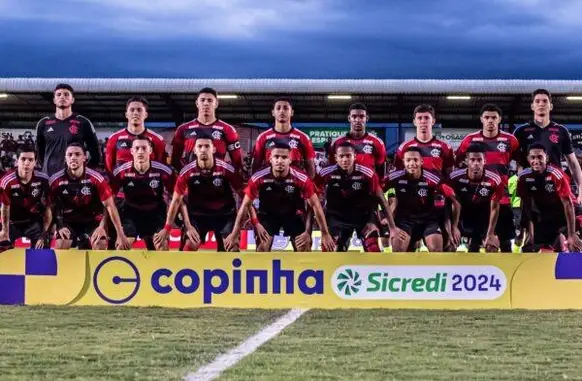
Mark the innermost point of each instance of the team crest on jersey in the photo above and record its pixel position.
(550, 188)
(74, 129)
(423, 192)
(367, 149)
(217, 182)
(554, 138)
(15, 186)
(435, 152)
(290, 189)
(86, 191)
(357, 186)
(217, 135)
(35, 192)
(293, 144)
(484, 192)
(502, 147)
(154, 184)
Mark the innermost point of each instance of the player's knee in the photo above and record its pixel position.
(264, 246)
(370, 243)
(190, 246)
(101, 245)
(63, 244)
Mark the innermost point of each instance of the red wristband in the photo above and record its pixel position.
(254, 221)
(168, 227)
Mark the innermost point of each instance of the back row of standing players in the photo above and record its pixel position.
(141, 196)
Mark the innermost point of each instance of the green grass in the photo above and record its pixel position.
(86, 343)
(117, 343)
(421, 345)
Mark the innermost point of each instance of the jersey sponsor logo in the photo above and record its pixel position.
(335, 177)
(530, 180)
(530, 136)
(335, 185)
(464, 190)
(15, 186)
(193, 133)
(271, 144)
(466, 181)
(65, 192)
(197, 182)
(123, 145)
(217, 135)
(550, 188)
(500, 139)
(35, 184)
(357, 186)
(130, 184)
(15, 194)
(402, 181)
(534, 188)
(486, 183)
(423, 192)
(548, 178)
(154, 184)
(290, 189)
(484, 192)
(403, 190)
(217, 182)
(85, 181)
(554, 138)
(422, 184)
(502, 147)
(154, 175)
(269, 188)
(86, 191)
(435, 152)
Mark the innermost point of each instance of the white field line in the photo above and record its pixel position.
(213, 370)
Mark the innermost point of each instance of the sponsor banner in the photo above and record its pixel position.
(291, 280)
(453, 136)
(175, 234)
(320, 135)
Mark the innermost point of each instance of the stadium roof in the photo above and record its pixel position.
(172, 100)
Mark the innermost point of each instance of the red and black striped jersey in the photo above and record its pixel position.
(370, 151)
(438, 156)
(118, 149)
(27, 201)
(546, 189)
(301, 147)
(500, 151)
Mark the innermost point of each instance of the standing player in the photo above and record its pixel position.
(119, 145)
(23, 193)
(146, 185)
(207, 185)
(370, 150)
(554, 137)
(479, 192)
(415, 212)
(302, 152)
(77, 196)
(500, 149)
(546, 187)
(54, 134)
(352, 193)
(224, 136)
(282, 192)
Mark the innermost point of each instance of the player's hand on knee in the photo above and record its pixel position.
(455, 237)
(491, 243)
(64, 233)
(262, 233)
(302, 241)
(193, 235)
(97, 236)
(231, 242)
(574, 243)
(399, 234)
(122, 242)
(160, 238)
(327, 242)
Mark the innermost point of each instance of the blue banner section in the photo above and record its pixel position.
(12, 289)
(569, 266)
(41, 262)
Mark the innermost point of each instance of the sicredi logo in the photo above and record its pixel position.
(419, 282)
(117, 280)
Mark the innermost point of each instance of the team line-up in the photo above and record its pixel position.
(434, 194)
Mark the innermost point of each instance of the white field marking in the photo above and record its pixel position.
(213, 370)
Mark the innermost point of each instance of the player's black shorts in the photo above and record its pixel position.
(31, 230)
(418, 228)
(220, 225)
(516, 220)
(505, 228)
(343, 228)
(143, 224)
(80, 233)
(292, 225)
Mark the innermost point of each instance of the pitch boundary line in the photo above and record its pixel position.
(214, 369)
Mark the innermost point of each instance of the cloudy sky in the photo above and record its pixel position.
(292, 38)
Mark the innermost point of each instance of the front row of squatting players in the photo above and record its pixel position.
(77, 206)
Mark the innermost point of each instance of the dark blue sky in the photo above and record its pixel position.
(537, 39)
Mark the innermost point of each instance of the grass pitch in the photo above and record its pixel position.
(50, 343)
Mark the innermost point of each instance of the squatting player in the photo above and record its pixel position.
(53, 134)
(370, 150)
(415, 211)
(546, 187)
(500, 149)
(302, 151)
(23, 193)
(352, 193)
(77, 195)
(207, 187)
(119, 148)
(224, 136)
(146, 185)
(282, 191)
(479, 191)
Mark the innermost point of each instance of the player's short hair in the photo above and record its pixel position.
(476, 147)
(281, 145)
(491, 107)
(141, 100)
(424, 108)
(358, 106)
(414, 149)
(142, 137)
(283, 99)
(65, 86)
(208, 90)
(345, 144)
(541, 91)
(27, 149)
(537, 146)
(77, 144)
